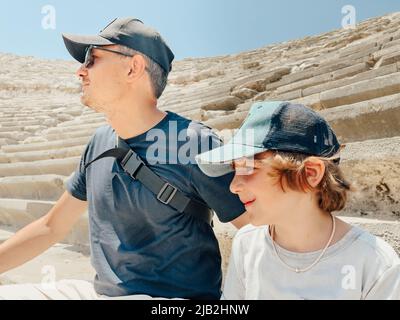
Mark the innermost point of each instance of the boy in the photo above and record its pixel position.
(286, 159)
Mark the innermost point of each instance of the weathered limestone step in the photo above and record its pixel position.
(195, 115)
(367, 120)
(57, 166)
(42, 146)
(371, 74)
(16, 118)
(388, 230)
(5, 142)
(19, 123)
(362, 91)
(60, 262)
(358, 47)
(258, 81)
(86, 133)
(11, 129)
(41, 155)
(223, 103)
(16, 135)
(231, 121)
(29, 130)
(387, 55)
(184, 103)
(195, 92)
(17, 213)
(312, 72)
(323, 78)
(76, 123)
(66, 129)
(43, 187)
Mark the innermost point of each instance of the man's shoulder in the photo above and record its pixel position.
(102, 134)
(104, 131)
(194, 126)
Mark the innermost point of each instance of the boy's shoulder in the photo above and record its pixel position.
(376, 249)
(249, 232)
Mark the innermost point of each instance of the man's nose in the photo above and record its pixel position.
(81, 72)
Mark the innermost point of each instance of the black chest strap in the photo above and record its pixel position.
(165, 192)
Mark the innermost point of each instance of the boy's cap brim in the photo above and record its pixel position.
(78, 44)
(218, 162)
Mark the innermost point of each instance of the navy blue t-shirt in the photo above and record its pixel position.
(139, 245)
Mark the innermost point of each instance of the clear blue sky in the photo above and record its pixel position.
(193, 28)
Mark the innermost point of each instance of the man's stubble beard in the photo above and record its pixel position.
(86, 101)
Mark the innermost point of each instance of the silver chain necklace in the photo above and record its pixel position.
(297, 270)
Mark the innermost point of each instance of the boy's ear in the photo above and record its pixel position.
(315, 170)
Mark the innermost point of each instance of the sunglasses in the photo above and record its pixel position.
(89, 59)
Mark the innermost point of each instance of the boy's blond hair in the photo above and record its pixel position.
(289, 170)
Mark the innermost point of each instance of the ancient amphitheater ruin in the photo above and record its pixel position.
(351, 76)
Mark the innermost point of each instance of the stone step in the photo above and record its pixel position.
(231, 121)
(85, 133)
(6, 142)
(43, 146)
(11, 129)
(40, 187)
(66, 152)
(56, 166)
(357, 48)
(323, 78)
(4, 124)
(333, 66)
(27, 129)
(371, 74)
(191, 103)
(374, 119)
(362, 91)
(353, 91)
(62, 261)
(77, 123)
(16, 135)
(15, 119)
(66, 129)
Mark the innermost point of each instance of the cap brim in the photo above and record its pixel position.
(218, 162)
(78, 44)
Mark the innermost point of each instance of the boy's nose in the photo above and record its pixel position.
(236, 184)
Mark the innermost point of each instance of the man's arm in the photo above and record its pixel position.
(41, 234)
(242, 220)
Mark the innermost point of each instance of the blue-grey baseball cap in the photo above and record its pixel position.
(273, 125)
(129, 32)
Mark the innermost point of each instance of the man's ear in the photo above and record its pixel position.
(315, 170)
(137, 67)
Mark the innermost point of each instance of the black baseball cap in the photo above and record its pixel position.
(273, 125)
(129, 32)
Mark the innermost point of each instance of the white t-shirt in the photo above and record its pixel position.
(359, 266)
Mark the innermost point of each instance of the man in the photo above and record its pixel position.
(141, 244)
